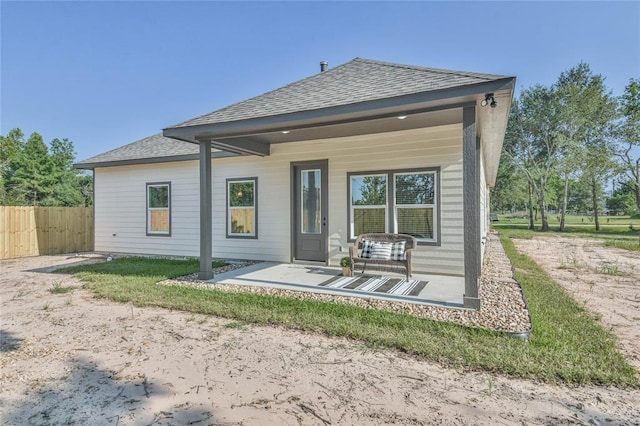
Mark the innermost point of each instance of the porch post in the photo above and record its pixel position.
(206, 268)
(471, 206)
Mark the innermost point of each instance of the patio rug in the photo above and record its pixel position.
(377, 284)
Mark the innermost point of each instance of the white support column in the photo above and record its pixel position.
(206, 243)
(471, 204)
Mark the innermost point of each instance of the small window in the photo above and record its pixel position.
(241, 208)
(159, 208)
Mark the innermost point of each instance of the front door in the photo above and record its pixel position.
(310, 210)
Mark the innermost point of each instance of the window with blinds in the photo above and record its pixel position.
(415, 204)
(402, 201)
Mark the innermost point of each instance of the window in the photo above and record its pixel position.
(159, 208)
(368, 204)
(415, 204)
(403, 201)
(241, 208)
(311, 187)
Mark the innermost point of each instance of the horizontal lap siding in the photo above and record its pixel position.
(433, 147)
(120, 208)
(120, 197)
(272, 243)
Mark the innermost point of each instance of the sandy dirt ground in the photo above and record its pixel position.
(73, 359)
(605, 279)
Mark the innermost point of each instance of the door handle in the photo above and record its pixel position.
(324, 221)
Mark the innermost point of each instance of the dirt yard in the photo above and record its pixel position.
(605, 279)
(73, 359)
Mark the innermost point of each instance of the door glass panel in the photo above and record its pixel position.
(311, 199)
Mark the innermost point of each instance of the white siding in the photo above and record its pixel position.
(120, 209)
(120, 199)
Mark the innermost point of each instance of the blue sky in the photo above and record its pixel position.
(104, 74)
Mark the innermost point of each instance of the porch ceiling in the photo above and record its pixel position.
(350, 128)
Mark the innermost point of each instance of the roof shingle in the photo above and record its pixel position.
(156, 146)
(359, 80)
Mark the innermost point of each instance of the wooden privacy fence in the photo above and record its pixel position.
(35, 231)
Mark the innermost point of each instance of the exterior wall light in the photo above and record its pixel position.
(489, 100)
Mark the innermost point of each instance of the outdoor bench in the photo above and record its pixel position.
(383, 251)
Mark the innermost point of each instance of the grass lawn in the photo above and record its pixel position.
(620, 231)
(567, 344)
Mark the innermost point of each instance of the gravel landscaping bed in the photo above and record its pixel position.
(503, 307)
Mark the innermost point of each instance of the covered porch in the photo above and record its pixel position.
(338, 111)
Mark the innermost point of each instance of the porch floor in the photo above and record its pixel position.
(440, 289)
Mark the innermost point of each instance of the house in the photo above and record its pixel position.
(297, 173)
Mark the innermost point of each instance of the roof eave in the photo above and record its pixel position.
(494, 139)
(437, 99)
(148, 160)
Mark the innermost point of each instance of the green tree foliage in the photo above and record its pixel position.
(415, 189)
(373, 191)
(241, 194)
(31, 173)
(628, 137)
(623, 200)
(10, 146)
(560, 140)
(532, 145)
(587, 114)
(510, 191)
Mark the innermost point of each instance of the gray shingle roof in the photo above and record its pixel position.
(359, 80)
(156, 146)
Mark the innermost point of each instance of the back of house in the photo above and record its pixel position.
(297, 173)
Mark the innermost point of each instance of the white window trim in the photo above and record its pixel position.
(254, 234)
(352, 207)
(416, 206)
(166, 233)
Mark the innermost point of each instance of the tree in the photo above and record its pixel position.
(30, 178)
(532, 144)
(622, 200)
(373, 191)
(578, 197)
(10, 147)
(33, 174)
(628, 137)
(587, 113)
(510, 190)
(66, 189)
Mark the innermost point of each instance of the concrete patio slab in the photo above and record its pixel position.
(440, 290)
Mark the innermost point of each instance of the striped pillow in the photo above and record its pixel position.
(381, 251)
